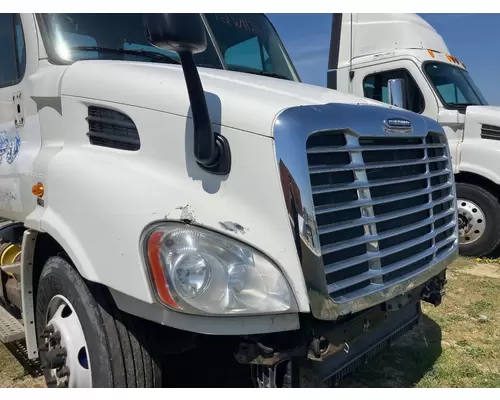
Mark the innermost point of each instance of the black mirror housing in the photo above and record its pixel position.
(177, 32)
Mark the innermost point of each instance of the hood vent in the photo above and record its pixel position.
(110, 128)
(490, 132)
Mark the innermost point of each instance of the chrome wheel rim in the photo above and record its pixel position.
(471, 221)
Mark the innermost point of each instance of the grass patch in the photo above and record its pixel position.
(456, 345)
(478, 307)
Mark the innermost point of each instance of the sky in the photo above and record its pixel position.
(472, 38)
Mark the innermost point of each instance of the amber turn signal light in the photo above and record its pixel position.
(38, 190)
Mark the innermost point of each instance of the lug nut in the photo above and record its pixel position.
(44, 347)
(56, 358)
(64, 371)
(48, 329)
(55, 337)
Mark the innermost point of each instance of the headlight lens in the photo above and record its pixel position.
(199, 271)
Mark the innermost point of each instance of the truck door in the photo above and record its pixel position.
(371, 82)
(19, 128)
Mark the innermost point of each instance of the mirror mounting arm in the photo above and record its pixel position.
(210, 149)
(185, 34)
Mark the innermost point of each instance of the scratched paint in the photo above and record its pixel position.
(10, 146)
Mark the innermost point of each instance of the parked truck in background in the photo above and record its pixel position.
(168, 184)
(369, 50)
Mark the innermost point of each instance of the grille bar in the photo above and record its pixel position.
(385, 217)
(370, 238)
(371, 202)
(339, 266)
(337, 149)
(362, 166)
(334, 287)
(383, 182)
(384, 208)
(375, 287)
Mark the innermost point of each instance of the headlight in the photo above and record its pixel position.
(202, 272)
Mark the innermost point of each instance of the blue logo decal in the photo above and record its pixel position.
(9, 146)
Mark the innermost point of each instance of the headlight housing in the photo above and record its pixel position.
(198, 271)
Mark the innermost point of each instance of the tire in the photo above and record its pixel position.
(482, 209)
(116, 343)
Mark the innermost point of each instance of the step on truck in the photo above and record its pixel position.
(170, 187)
(367, 51)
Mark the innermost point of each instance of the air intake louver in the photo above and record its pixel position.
(490, 132)
(110, 128)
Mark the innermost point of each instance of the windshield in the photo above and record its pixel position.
(454, 85)
(238, 42)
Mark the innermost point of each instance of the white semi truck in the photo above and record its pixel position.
(168, 185)
(369, 50)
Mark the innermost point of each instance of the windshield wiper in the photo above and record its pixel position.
(464, 104)
(145, 53)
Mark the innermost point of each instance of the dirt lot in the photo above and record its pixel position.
(457, 344)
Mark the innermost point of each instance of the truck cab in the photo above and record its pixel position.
(171, 189)
(367, 51)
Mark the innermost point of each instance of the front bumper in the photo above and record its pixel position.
(347, 355)
(323, 351)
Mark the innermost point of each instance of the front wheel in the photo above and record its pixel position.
(84, 340)
(478, 220)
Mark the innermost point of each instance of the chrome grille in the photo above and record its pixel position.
(384, 207)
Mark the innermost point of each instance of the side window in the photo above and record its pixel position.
(20, 46)
(250, 54)
(12, 50)
(375, 87)
(451, 93)
(245, 54)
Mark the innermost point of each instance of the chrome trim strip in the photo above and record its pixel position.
(379, 200)
(364, 166)
(292, 128)
(381, 293)
(386, 217)
(343, 149)
(382, 182)
(388, 234)
(370, 274)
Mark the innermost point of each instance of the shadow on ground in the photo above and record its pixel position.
(405, 363)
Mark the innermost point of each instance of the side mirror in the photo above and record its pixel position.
(396, 89)
(185, 34)
(177, 32)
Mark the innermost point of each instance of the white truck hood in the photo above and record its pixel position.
(477, 116)
(237, 100)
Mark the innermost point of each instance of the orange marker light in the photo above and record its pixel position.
(160, 280)
(431, 53)
(38, 190)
